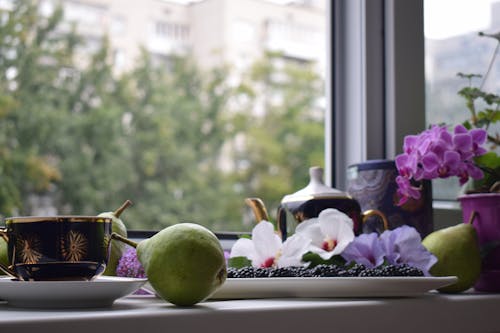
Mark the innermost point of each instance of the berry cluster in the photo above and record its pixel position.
(325, 271)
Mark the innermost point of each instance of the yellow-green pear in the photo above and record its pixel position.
(458, 253)
(117, 248)
(184, 263)
(4, 257)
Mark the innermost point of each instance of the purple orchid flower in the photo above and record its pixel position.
(406, 190)
(437, 153)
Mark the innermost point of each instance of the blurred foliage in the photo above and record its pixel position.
(183, 144)
(484, 113)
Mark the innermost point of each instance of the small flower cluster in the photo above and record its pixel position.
(331, 234)
(437, 153)
(129, 265)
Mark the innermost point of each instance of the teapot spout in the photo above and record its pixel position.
(258, 208)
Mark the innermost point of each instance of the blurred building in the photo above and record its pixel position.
(469, 54)
(212, 31)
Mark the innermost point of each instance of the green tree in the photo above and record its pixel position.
(287, 136)
(62, 130)
(178, 124)
(31, 58)
(183, 144)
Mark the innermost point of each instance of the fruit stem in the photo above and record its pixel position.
(472, 217)
(120, 238)
(124, 206)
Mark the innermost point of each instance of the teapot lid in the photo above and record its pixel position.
(315, 189)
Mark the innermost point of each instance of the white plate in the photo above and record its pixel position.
(238, 288)
(101, 292)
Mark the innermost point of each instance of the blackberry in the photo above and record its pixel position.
(303, 272)
(245, 272)
(389, 270)
(356, 269)
(406, 270)
(325, 271)
(262, 272)
(282, 272)
(343, 273)
(232, 272)
(370, 272)
(392, 270)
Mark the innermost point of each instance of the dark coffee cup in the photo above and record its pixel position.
(57, 247)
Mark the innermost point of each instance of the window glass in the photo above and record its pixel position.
(453, 45)
(183, 107)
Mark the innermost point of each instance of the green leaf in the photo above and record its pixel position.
(489, 160)
(247, 236)
(467, 124)
(314, 260)
(495, 116)
(239, 262)
(490, 165)
(468, 75)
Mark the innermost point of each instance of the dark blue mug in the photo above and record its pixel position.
(373, 185)
(56, 248)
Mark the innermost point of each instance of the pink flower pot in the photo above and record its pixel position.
(487, 224)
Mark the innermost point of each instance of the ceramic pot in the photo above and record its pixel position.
(310, 201)
(487, 224)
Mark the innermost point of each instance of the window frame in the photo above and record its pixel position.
(375, 86)
(374, 47)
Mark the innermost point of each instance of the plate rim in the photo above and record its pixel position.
(99, 279)
(330, 287)
(102, 291)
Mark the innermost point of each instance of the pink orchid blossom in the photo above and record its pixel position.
(437, 153)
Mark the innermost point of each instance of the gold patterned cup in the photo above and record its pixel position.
(56, 247)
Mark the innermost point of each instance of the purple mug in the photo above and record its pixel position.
(486, 208)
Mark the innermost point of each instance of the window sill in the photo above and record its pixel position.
(446, 214)
(432, 312)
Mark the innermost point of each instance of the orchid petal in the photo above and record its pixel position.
(478, 135)
(430, 162)
(460, 129)
(463, 142)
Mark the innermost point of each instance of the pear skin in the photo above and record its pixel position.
(458, 253)
(4, 258)
(117, 248)
(184, 263)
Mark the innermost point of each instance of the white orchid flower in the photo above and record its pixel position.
(266, 249)
(330, 232)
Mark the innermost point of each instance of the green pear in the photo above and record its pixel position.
(117, 248)
(458, 253)
(184, 263)
(4, 257)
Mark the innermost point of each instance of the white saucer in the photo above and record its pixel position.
(101, 292)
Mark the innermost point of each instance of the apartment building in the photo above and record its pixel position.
(214, 32)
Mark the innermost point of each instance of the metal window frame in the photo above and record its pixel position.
(375, 83)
